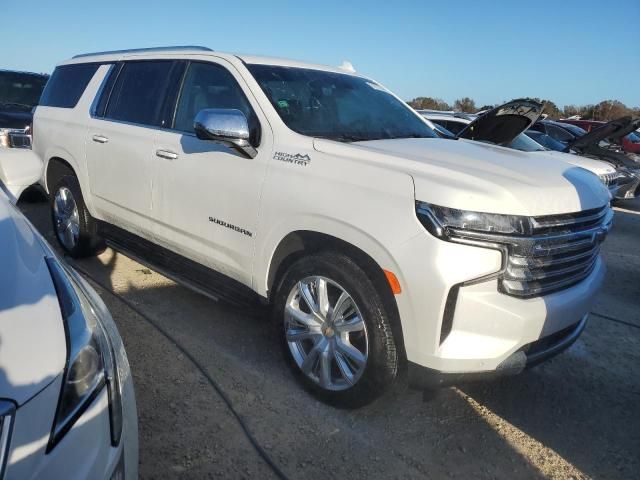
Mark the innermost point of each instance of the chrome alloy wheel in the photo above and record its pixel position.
(66, 218)
(326, 333)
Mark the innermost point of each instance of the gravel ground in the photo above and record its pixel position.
(577, 416)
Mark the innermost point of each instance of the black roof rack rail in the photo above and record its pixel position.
(147, 50)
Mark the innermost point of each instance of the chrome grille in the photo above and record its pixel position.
(562, 251)
(19, 139)
(610, 179)
(7, 412)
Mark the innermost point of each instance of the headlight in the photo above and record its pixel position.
(15, 138)
(4, 138)
(446, 222)
(90, 357)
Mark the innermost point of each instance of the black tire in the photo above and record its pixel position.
(381, 368)
(89, 242)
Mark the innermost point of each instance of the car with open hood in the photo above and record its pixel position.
(378, 245)
(19, 94)
(630, 143)
(67, 405)
(598, 144)
(505, 125)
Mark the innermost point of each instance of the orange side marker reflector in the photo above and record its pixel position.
(393, 282)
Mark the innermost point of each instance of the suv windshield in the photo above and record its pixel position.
(525, 144)
(20, 90)
(337, 106)
(574, 129)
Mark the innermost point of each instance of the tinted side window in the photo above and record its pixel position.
(455, 127)
(106, 89)
(207, 85)
(138, 94)
(67, 84)
(559, 134)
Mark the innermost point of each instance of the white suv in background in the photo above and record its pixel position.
(378, 245)
(67, 405)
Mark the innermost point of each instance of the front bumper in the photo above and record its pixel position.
(628, 185)
(19, 169)
(528, 356)
(84, 452)
(479, 328)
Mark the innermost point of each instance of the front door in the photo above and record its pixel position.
(206, 195)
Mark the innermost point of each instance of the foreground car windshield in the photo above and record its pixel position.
(337, 106)
(20, 90)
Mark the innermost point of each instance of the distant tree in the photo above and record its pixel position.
(551, 109)
(610, 110)
(570, 111)
(465, 104)
(429, 103)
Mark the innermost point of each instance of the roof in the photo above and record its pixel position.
(19, 72)
(196, 50)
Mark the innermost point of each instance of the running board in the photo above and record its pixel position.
(182, 270)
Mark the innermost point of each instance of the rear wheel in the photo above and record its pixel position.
(335, 332)
(75, 228)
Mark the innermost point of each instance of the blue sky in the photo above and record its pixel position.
(570, 51)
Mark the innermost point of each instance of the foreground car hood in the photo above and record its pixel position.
(480, 177)
(15, 119)
(32, 342)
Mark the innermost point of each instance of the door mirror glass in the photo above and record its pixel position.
(225, 125)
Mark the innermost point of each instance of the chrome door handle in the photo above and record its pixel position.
(169, 155)
(100, 139)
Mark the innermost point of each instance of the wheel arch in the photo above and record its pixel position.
(300, 243)
(59, 161)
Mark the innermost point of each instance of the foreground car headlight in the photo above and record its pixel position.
(446, 222)
(90, 357)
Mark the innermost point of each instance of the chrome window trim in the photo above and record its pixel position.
(7, 415)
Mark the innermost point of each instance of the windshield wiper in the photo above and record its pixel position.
(344, 137)
(414, 135)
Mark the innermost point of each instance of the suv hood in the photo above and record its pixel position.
(32, 342)
(502, 124)
(480, 177)
(614, 130)
(18, 119)
(599, 167)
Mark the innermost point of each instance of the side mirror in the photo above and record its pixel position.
(225, 125)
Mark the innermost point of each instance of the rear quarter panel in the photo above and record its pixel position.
(62, 133)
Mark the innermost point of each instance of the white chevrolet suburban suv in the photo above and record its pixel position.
(381, 248)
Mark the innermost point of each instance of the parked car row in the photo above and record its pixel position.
(618, 170)
(19, 94)
(380, 240)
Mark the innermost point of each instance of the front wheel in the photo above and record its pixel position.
(75, 228)
(335, 332)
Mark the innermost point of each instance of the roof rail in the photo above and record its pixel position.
(147, 50)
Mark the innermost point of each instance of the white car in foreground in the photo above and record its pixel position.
(67, 405)
(20, 167)
(319, 191)
(456, 123)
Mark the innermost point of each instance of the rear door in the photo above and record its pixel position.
(120, 142)
(206, 195)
